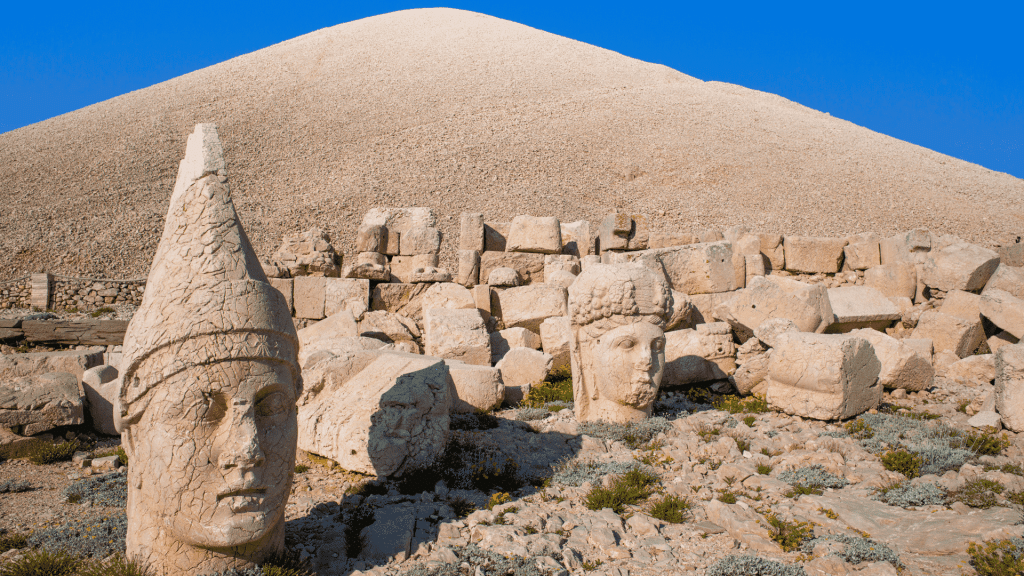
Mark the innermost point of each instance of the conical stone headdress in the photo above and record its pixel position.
(207, 298)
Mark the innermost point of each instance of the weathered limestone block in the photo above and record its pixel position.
(351, 294)
(812, 255)
(376, 412)
(284, 286)
(856, 307)
(762, 301)
(670, 238)
(701, 355)
(10, 328)
(404, 299)
(471, 231)
(496, 236)
(273, 270)
(528, 306)
(963, 305)
(521, 369)
(88, 332)
(912, 246)
(739, 270)
(469, 268)
(976, 370)
(923, 346)
(706, 236)
(623, 231)
(1008, 279)
(420, 240)
(35, 404)
(33, 363)
(562, 262)
(503, 278)
(509, 338)
(477, 388)
(456, 334)
(949, 333)
(368, 270)
(1004, 310)
(555, 334)
(704, 268)
(902, 366)
(617, 354)
(371, 258)
(559, 278)
(403, 267)
(896, 279)
(768, 331)
(753, 266)
(530, 267)
(431, 274)
(535, 234)
(749, 378)
(482, 300)
(862, 252)
(101, 386)
(815, 295)
(704, 305)
(206, 405)
(684, 312)
(371, 238)
(823, 376)
(447, 295)
(308, 253)
(1010, 386)
(326, 334)
(734, 233)
(400, 219)
(773, 248)
(960, 266)
(388, 327)
(1004, 338)
(310, 295)
(576, 238)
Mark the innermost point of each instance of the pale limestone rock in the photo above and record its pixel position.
(986, 419)
(943, 359)
(734, 233)
(576, 238)
(456, 334)
(706, 236)
(32, 363)
(764, 300)
(325, 334)
(35, 404)
(1010, 386)
(902, 366)
(476, 388)
(400, 219)
(420, 240)
(960, 266)
(101, 386)
(207, 391)
(366, 271)
(623, 231)
(495, 236)
(701, 355)
(555, 334)
(587, 261)
(910, 247)
(471, 231)
(308, 253)
(773, 248)
(503, 278)
(404, 299)
(564, 262)
(528, 306)
(273, 270)
(739, 270)
(949, 333)
(670, 238)
(469, 268)
(1008, 279)
(856, 307)
(769, 330)
(752, 373)
(534, 234)
(704, 305)
(529, 266)
(371, 238)
(447, 295)
(704, 268)
(684, 312)
(401, 269)
(310, 295)
(814, 255)
(862, 251)
(753, 266)
(521, 369)
(1001, 339)
(429, 275)
(284, 286)
(376, 412)
(351, 294)
(371, 259)
(974, 370)
(509, 338)
(389, 538)
(896, 279)
(482, 300)
(814, 295)
(559, 278)
(618, 348)
(388, 327)
(962, 305)
(1004, 310)
(823, 376)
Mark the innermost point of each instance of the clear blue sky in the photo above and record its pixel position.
(946, 76)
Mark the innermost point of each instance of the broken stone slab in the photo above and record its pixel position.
(325, 334)
(773, 248)
(703, 268)
(704, 354)
(1008, 279)
(976, 370)
(949, 333)
(504, 278)
(351, 294)
(986, 419)
(496, 236)
(1004, 338)
(101, 387)
(704, 305)
(34, 363)
(35, 404)
(576, 238)
(535, 234)
(88, 332)
(310, 293)
(1004, 310)
(559, 278)
(509, 338)
(447, 295)
(670, 238)
(912, 246)
(555, 335)
(477, 388)
(813, 255)
(529, 266)
(962, 305)
(561, 262)
(389, 538)
(521, 369)
(862, 252)
(10, 328)
(896, 279)
(769, 330)
(960, 266)
(814, 295)
(402, 267)
(376, 412)
(528, 306)
(429, 275)
(399, 298)
(923, 346)
(400, 219)
(371, 238)
(308, 253)
(902, 365)
(823, 376)
(750, 376)
(742, 524)
(753, 266)
(388, 327)
(457, 334)
(284, 286)
(420, 240)
(469, 268)
(471, 231)
(764, 300)
(623, 231)
(856, 307)
(684, 312)
(1009, 362)
(368, 271)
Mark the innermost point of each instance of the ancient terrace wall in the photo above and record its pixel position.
(48, 291)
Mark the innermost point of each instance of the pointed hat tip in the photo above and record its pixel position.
(203, 155)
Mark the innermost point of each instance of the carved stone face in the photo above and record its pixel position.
(630, 361)
(218, 452)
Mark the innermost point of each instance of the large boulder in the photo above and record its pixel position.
(1008, 279)
(521, 369)
(328, 334)
(477, 388)
(447, 295)
(1010, 386)
(555, 334)
(471, 232)
(703, 268)
(902, 366)
(765, 300)
(960, 266)
(399, 298)
(528, 306)
(813, 255)
(949, 333)
(534, 234)
(1004, 310)
(862, 251)
(623, 231)
(856, 307)
(457, 334)
(35, 404)
(895, 280)
(388, 327)
(823, 376)
(376, 412)
(703, 354)
(34, 363)
(912, 246)
(576, 238)
(419, 240)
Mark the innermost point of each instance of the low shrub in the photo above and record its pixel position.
(749, 421)
(93, 536)
(497, 499)
(902, 461)
(735, 405)
(672, 509)
(106, 490)
(987, 443)
(577, 471)
(301, 468)
(49, 452)
(116, 566)
(978, 493)
(357, 520)
(749, 565)
(465, 465)
(461, 506)
(905, 495)
(764, 469)
(997, 558)
(101, 311)
(478, 421)
(557, 387)
(857, 549)
(474, 557)
(11, 541)
(634, 434)
(631, 488)
(813, 477)
(727, 496)
(742, 445)
(43, 563)
(531, 414)
(1011, 468)
(789, 535)
(14, 486)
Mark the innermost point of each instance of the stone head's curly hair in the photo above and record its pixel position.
(619, 290)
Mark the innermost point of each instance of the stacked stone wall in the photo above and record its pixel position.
(15, 293)
(92, 293)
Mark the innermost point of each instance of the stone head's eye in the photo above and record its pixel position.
(213, 407)
(271, 404)
(626, 343)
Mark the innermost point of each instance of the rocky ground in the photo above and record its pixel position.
(530, 491)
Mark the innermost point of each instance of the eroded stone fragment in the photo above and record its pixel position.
(1010, 386)
(351, 294)
(35, 404)
(457, 334)
(308, 253)
(420, 240)
(960, 266)
(528, 306)
(701, 355)
(856, 307)
(949, 333)
(896, 279)
(471, 231)
(477, 388)
(703, 268)
(388, 327)
(1004, 310)
(576, 238)
(101, 386)
(773, 248)
(555, 334)
(32, 363)
(503, 278)
(522, 369)
(1008, 279)
(902, 366)
(535, 234)
(862, 251)
(509, 338)
(762, 301)
(529, 267)
(812, 255)
(469, 268)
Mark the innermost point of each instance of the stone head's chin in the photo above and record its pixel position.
(228, 528)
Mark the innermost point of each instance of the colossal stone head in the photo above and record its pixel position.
(206, 407)
(618, 314)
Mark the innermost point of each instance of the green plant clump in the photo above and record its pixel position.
(998, 558)
(813, 477)
(634, 435)
(749, 565)
(301, 468)
(14, 486)
(735, 405)
(12, 541)
(43, 563)
(902, 461)
(788, 535)
(672, 509)
(905, 495)
(557, 387)
(857, 549)
(48, 453)
(358, 519)
(631, 488)
(101, 311)
(978, 493)
(764, 469)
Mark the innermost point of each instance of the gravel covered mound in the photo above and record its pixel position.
(465, 112)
